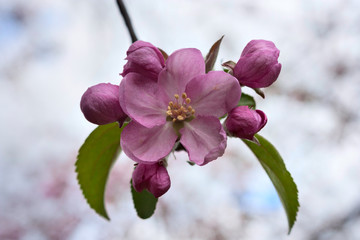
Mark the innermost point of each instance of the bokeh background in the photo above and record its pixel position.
(51, 51)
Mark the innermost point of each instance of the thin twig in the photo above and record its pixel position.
(127, 20)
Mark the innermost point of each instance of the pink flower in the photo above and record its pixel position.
(258, 65)
(243, 122)
(153, 177)
(145, 59)
(100, 104)
(183, 105)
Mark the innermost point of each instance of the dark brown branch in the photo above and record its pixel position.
(127, 20)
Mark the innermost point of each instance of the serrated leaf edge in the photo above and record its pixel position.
(105, 214)
(132, 197)
(294, 186)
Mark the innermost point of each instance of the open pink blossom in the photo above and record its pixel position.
(153, 177)
(100, 104)
(244, 123)
(184, 104)
(144, 59)
(258, 65)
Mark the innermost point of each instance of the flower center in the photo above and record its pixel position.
(179, 110)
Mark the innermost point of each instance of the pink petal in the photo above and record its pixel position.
(145, 145)
(141, 100)
(153, 177)
(100, 104)
(180, 68)
(144, 59)
(254, 46)
(204, 138)
(258, 65)
(160, 183)
(244, 123)
(141, 175)
(213, 94)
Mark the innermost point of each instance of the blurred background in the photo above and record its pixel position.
(52, 51)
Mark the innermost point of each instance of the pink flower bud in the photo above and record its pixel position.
(258, 65)
(100, 104)
(153, 177)
(145, 59)
(243, 122)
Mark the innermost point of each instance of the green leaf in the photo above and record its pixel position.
(229, 66)
(165, 55)
(259, 92)
(94, 162)
(210, 58)
(190, 163)
(274, 166)
(247, 100)
(144, 202)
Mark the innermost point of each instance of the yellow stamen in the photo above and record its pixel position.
(179, 110)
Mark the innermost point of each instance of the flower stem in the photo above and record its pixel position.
(127, 20)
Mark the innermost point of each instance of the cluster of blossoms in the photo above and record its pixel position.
(171, 103)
